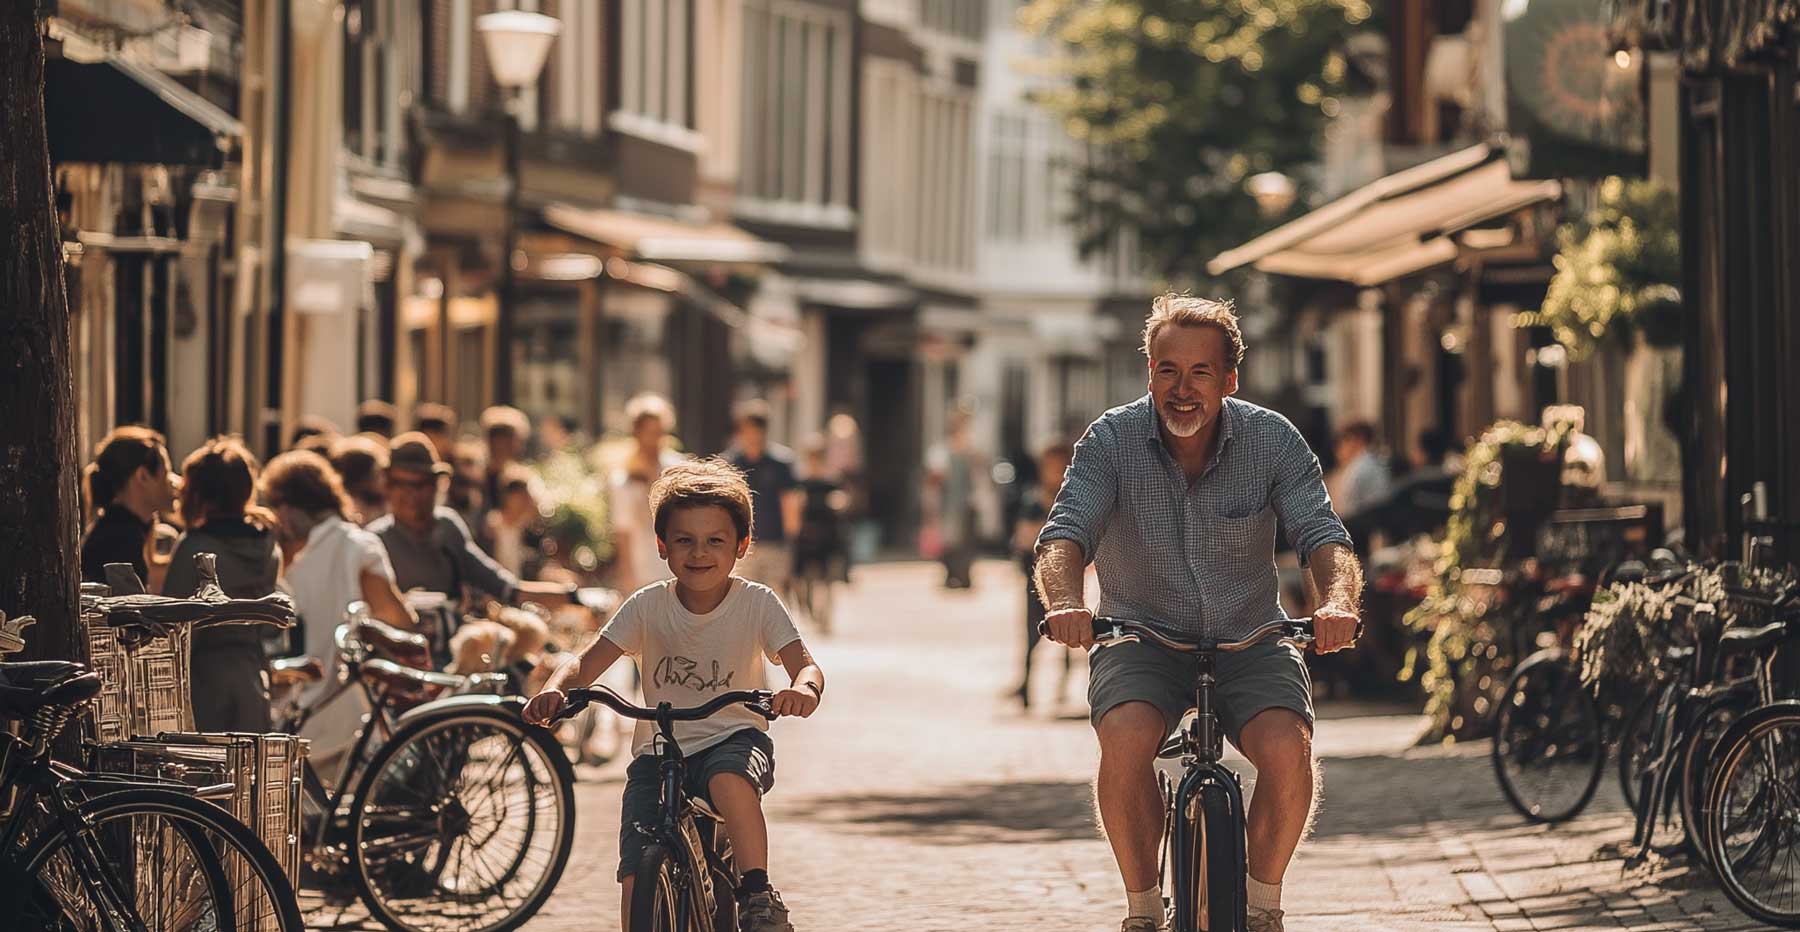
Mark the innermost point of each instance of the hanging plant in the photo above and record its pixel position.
(1457, 666)
(1619, 267)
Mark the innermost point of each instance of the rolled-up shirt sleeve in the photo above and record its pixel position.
(1302, 503)
(475, 566)
(1090, 490)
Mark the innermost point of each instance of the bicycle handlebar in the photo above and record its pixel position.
(578, 698)
(1109, 631)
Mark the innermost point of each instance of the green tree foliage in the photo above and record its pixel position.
(1178, 101)
(1619, 266)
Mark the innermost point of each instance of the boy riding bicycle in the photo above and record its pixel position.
(697, 635)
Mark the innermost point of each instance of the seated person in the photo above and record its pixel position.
(704, 619)
(430, 546)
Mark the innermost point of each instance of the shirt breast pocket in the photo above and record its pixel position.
(1247, 536)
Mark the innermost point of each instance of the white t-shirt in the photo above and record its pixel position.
(688, 659)
(323, 580)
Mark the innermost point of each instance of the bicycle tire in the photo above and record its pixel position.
(1742, 750)
(1218, 881)
(656, 892)
(1532, 727)
(1696, 764)
(399, 858)
(275, 907)
(1632, 753)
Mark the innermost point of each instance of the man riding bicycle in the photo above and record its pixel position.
(1175, 498)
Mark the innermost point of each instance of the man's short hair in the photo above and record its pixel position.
(306, 481)
(698, 483)
(1186, 310)
(754, 410)
(434, 418)
(649, 404)
(502, 419)
(376, 417)
(311, 425)
(359, 460)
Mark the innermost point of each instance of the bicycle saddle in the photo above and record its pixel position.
(404, 646)
(285, 671)
(27, 687)
(1751, 640)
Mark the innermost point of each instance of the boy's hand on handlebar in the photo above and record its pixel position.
(794, 700)
(1334, 628)
(1071, 627)
(543, 707)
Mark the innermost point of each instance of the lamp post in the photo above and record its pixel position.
(517, 44)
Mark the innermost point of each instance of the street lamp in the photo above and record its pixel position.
(517, 44)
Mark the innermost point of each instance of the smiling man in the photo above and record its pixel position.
(1174, 499)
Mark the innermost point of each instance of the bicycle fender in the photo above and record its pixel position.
(503, 706)
(1540, 657)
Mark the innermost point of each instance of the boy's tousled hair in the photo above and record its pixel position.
(698, 483)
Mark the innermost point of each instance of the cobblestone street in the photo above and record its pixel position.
(920, 799)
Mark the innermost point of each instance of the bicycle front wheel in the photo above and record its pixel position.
(179, 862)
(656, 894)
(1548, 746)
(464, 822)
(1753, 815)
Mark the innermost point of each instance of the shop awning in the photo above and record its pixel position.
(661, 239)
(1398, 225)
(115, 110)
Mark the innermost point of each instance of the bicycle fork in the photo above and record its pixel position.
(111, 899)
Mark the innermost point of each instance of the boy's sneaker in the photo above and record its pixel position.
(1140, 924)
(763, 912)
(1264, 920)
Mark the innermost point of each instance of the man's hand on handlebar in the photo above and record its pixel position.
(1071, 627)
(543, 707)
(1334, 628)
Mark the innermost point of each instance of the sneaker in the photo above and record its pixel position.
(763, 912)
(1264, 920)
(1140, 924)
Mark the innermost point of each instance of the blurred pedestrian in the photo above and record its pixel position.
(1360, 478)
(311, 431)
(362, 463)
(507, 431)
(438, 422)
(129, 483)
(330, 564)
(954, 473)
(377, 417)
(1052, 462)
(821, 545)
(230, 670)
(514, 533)
(468, 478)
(553, 435)
(769, 468)
(639, 563)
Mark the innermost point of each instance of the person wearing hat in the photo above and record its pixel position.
(430, 546)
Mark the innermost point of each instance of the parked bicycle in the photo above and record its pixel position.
(115, 853)
(1204, 856)
(447, 812)
(684, 878)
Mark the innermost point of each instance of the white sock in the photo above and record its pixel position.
(1144, 904)
(1261, 895)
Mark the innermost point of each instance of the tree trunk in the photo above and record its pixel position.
(39, 543)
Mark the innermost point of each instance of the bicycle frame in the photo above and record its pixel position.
(679, 833)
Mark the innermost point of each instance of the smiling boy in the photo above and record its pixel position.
(699, 634)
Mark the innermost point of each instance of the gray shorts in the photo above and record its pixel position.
(1271, 675)
(748, 753)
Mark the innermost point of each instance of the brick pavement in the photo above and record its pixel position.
(918, 799)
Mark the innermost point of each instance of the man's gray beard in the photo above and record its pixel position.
(1185, 432)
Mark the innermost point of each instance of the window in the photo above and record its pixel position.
(575, 81)
(655, 37)
(381, 72)
(963, 18)
(796, 147)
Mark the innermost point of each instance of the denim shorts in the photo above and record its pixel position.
(1270, 675)
(748, 753)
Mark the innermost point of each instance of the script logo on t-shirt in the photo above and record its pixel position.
(674, 670)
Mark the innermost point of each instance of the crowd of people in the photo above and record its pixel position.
(434, 529)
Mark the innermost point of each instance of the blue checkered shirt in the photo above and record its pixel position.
(1196, 561)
